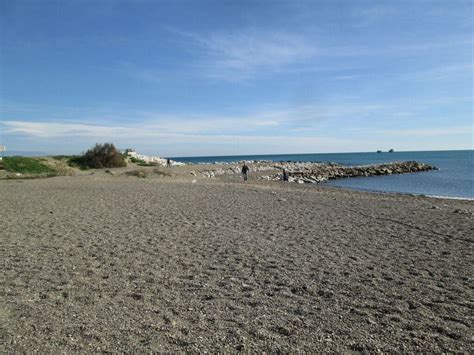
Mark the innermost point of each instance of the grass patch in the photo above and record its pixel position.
(136, 160)
(77, 161)
(144, 173)
(62, 157)
(143, 163)
(73, 161)
(24, 165)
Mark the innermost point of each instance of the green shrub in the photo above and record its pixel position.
(136, 160)
(26, 165)
(77, 161)
(144, 163)
(100, 156)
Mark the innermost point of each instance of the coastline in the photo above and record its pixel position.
(402, 193)
(112, 262)
(453, 179)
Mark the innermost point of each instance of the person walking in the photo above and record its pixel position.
(168, 162)
(245, 172)
(285, 175)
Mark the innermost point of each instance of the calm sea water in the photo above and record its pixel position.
(454, 179)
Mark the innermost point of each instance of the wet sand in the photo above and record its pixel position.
(120, 263)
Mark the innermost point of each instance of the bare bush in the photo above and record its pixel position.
(102, 156)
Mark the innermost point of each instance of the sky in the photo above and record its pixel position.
(229, 77)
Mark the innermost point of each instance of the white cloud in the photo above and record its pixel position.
(321, 127)
(441, 72)
(239, 55)
(68, 138)
(427, 132)
(142, 123)
(53, 129)
(169, 126)
(172, 143)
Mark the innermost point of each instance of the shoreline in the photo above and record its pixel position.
(402, 193)
(217, 169)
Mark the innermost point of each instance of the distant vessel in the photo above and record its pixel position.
(391, 151)
(379, 151)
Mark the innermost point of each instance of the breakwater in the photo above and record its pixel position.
(316, 173)
(309, 172)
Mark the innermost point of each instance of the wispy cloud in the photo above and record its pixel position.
(425, 132)
(442, 72)
(173, 126)
(296, 128)
(177, 143)
(235, 56)
(149, 139)
(269, 118)
(393, 49)
(251, 53)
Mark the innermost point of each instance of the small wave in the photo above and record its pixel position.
(452, 197)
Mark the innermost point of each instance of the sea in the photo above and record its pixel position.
(454, 179)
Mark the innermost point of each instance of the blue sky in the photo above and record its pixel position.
(186, 78)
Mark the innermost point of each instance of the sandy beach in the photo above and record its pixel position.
(113, 263)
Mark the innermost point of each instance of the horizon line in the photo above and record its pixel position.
(44, 154)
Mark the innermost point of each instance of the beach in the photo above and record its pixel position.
(111, 262)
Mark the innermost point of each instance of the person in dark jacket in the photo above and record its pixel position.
(245, 172)
(285, 175)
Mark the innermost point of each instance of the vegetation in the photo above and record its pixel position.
(62, 167)
(136, 160)
(62, 157)
(144, 173)
(141, 162)
(24, 165)
(144, 163)
(100, 156)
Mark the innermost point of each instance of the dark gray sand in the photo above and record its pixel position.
(115, 263)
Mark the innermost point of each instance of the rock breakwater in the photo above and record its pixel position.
(321, 172)
(310, 172)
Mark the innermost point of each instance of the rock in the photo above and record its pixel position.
(311, 172)
(461, 211)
